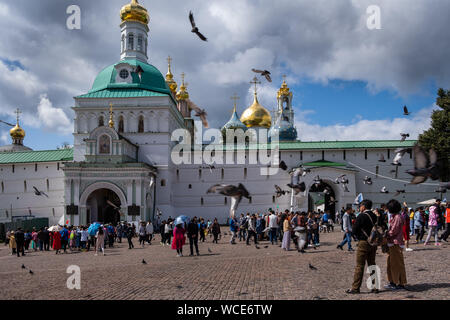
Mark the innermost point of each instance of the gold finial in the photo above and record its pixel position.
(17, 112)
(134, 12)
(284, 90)
(169, 77)
(111, 116)
(235, 98)
(255, 82)
(17, 133)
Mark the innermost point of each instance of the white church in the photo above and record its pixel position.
(121, 168)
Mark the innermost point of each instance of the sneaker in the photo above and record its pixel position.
(409, 249)
(390, 286)
(352, 291)
(401, 288)
(351, 250)
(376, 291)
(339, 247)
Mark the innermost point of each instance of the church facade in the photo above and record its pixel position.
(121, 168)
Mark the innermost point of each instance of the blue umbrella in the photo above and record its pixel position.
(93, 228)
(182, 220)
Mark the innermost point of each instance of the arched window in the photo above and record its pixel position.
(101, 121)
(104, 144)
(163, 183)
(146, 45)
(140, 42)
(48, 185)
(130, 41)
(141, 124)
(122, 48)
(24, 186)
(121, 125)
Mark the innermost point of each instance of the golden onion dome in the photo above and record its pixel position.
(134, 12)
(17, 133)
(284, 90)
(169, 79)
(256, 116)
(182, 94)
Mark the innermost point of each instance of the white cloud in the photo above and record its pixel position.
(4, 137)
(368, 129)
(51, 118)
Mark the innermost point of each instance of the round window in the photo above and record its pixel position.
(124, 73)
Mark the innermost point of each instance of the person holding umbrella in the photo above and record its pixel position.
(178, 238)
(56, 241)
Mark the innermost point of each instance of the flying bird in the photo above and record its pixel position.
(441, 190)
(332, 201)
(312, 267)
(139, 72)
(295, 180)
(406, 111)
(264, 73)
(298, 187)
(39, 193)
(279, 192)
(236, 194)
(344, 181)
(424, 166)
(143, 261)
(7, 123)
(317, 181)
(404, 136)
(201, 113)
(368, 180)
(384, 190)
(283, 166)
(399, 153)
(194, 27)
(399, 192)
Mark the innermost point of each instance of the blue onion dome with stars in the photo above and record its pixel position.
(234, 123)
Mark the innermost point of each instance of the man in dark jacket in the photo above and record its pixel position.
(365, 252)
(46, 237)
(20, 241)
(192, 233)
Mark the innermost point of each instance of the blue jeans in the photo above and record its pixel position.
(273, 235)
(348, 240)
(41, 245)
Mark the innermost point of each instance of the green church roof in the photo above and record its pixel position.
(151, 83)
(324, 163)
(36, 156)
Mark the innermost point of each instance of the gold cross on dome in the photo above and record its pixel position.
(182, 79)
(17, 112)
(255, 82)
(169, 60)
(235, 98)
(284, 78)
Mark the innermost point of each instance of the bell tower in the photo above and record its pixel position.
(134, 31)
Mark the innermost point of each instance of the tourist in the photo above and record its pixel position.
(286, 244)
(347, 225)
(12, 243)
(162, 227)
(178, 239)
(208, 228)
(46, 238)
(64, 238)
(40, 236)
(202, 228)
(119, 231)
(20, 241)
(84, 238)
(411, 222)
(27, 241)
(433, 223)
(111, 235)
(273, 225)
(419, 224)
(100, 243)
(243, 226)
(215, 229)
(192, 233)
(396, 272)
(149, 232)
(142, 234)
(365, 252)
(130, 234)
(299, 224)
(445, 235)
(252, 229)
(56, 236)
(233, 230)
(406, 231)
(167, 233)
(170, 228)
(72, 238)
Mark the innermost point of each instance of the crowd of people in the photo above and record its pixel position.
(394, 224)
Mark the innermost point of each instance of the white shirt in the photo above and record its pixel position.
(273, 223)
(149, 228)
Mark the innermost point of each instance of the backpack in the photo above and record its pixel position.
(377, 234)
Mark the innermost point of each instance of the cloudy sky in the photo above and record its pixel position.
(349, 82)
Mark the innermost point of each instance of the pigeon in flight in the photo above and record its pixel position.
(368, 180)
(344, 181)
(399, 153)
(194, 27)
(39, 193)
(198, 112)
(332, 201)
(312, 267)
(406, 111)
(404, 136)
(424, 166)
(279, 191)
(381, 159)
(384, 190)
(317, 181)
(399, 192)
(139, 72)
(264, 73)
(236, 194)
(283, 166)
(441, 190)
(295, 180)
(298, 187)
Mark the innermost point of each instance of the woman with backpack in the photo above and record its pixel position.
(433, 224)
(396, 271)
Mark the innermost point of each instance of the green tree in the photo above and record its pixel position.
(438, 136)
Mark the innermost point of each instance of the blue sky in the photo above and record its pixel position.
(349, 82)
